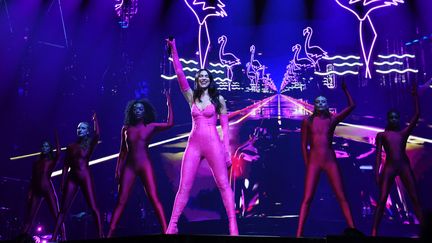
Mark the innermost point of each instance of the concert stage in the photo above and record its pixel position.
(251, 239)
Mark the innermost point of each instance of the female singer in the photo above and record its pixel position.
(206, 105)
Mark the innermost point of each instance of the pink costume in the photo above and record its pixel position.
(204, 143)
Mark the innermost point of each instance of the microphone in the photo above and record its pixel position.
(168, 48)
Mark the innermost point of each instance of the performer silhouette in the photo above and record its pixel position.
(134, 159)
(77, 159)
(397, 163)
(317, 133)
(41, 186)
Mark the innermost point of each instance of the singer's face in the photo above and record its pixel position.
(203, 79)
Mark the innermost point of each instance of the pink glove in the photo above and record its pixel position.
(225, 131)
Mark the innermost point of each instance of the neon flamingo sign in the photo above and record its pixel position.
(202, 10)
(314, 53)
(254, 68)
(368, 6)
(227, 59)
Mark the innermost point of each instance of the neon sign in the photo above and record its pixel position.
(314, 53)
(203, 10)
(229, 60)
(369, 6)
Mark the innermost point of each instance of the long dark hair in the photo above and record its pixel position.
(149, 113)
(212, 90)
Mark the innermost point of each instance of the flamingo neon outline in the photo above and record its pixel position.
(229, 60)
(380, 4)
(317, 52)
(255, 69)
(297, 61)
(199, 12)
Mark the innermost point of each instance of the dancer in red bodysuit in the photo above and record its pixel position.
(317, 132)
(204, 141)
(134, 158)
(41, 186)
(394, 141)
(77, 159)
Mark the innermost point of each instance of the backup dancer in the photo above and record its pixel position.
(134, 160)
(77, 159)
(394, 140)
(317, 133)
(41, 186)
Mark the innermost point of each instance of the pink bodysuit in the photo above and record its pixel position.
(204, 143)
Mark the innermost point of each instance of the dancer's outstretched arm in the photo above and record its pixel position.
(416, 116)
(225, 127)
(96, 126)
(181, 77)
(58, 148)
(170, 119)
(96, 135)
(351, 105)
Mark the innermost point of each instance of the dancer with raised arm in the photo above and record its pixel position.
(317, 133)
(204, 141)
(134, 159)
(394, 140)
(77, 159)
(41, 186)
